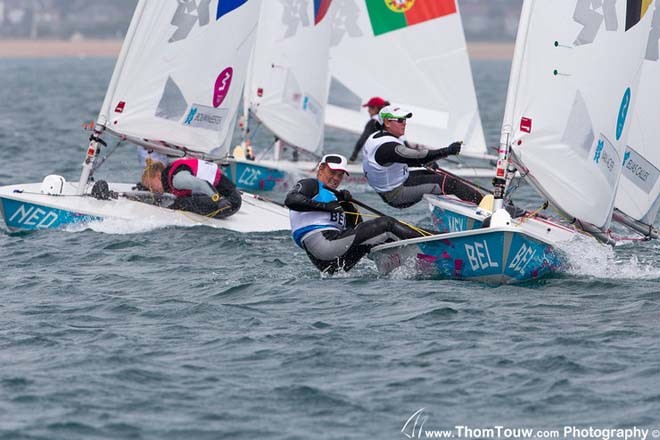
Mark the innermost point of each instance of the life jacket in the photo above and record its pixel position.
(382, 178)
(305, 222)
(201, 169)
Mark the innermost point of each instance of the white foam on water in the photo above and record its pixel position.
(588, 257)
(120, 226)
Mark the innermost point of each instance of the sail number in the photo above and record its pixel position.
(249, 177)
(479, 256)
(33, 216)
(522, 259)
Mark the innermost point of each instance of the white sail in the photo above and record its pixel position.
(638, 195)
(412, 54)
(287, 88)
(183, 90)
(577, 73)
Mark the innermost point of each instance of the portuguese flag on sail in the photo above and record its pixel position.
(390, 15)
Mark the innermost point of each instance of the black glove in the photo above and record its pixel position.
(334, 207)
(454, 148)
(433, 165)
(344, 195)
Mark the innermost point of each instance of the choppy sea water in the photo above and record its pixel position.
(126, 331)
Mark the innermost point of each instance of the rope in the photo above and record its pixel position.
(534, 213)
(420, 231)
(444, 173)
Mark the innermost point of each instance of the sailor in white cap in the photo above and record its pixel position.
(328, 227)
(387, 158)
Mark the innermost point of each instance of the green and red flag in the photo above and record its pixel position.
(390, 15)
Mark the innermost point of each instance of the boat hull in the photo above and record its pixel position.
(255, 176)
(503, 255)
(452, 215)
(24, 208)
(280, 175)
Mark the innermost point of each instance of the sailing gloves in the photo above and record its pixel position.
(344, 195)
(334, 207)
(454, 149)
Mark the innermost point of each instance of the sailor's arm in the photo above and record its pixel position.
(300, 198)
(370, 128)
(185, 180)
(394, 152)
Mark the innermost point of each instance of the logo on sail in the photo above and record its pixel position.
(203, 116)
(222, 84)
(591, 16)
(639, 171)
(390, 15)
(606, 158)
(623, 114)
(191, 12)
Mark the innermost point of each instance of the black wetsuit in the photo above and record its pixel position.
(333, 249)
(370, 128)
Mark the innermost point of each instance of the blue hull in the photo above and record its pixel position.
(255, 177)
(29, 217)
(450, 221)
(498, 256)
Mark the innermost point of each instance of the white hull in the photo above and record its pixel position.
(25, 208)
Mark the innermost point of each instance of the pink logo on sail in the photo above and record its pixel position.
(222, 84)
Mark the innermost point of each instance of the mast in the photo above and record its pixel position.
(504, 171)
(102, 119)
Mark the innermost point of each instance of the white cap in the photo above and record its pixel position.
(335, 162)
(394, 112)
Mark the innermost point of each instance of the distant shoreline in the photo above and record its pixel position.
(110, 48)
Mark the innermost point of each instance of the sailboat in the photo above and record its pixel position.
(577, 81)
(415, 55)
(286, 92)
(638, 196)
(287, 89)
(175, 89)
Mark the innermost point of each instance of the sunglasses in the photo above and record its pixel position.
(399, 120)
(333, 159)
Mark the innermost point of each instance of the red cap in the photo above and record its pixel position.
(376, 101)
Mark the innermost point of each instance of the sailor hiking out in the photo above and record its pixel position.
(387, 158)
(199, 186)
(328, 227)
